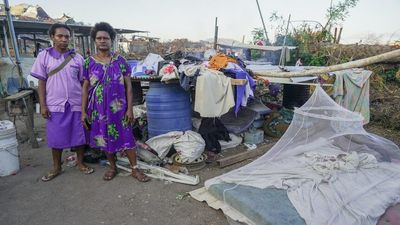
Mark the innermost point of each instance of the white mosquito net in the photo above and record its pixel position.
(328, 162)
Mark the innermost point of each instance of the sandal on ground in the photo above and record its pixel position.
(109, 175)
(86, 170)
(139, 175)
(51, 175)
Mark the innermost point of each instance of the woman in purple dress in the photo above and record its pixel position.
(107, 102)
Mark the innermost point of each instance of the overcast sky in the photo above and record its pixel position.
(194, 19)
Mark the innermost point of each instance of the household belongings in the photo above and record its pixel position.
(148, 66)
(212, 130)
(214, 94)
(189, 145)
(334, 171)
(168, 72)
(277, 122)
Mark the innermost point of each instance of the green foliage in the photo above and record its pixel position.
(337, 13)
(389, 75)
(259, 35)
(255, 54)
(278, 23)
(309, 37)
(317, 59)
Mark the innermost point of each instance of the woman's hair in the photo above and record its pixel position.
(103, 26)
(52, 29)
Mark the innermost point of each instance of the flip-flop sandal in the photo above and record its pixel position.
(86, 170)
(51, 175)
(109, 175)
(139, 175)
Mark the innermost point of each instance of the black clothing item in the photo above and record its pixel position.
(212, 130)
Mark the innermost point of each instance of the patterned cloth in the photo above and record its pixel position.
(107, 104)
(351, 90)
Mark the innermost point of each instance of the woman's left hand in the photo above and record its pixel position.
(129, 116)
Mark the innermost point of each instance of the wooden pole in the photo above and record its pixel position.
(262, 20)
(36, 49)
(73, 40)
(6, 42)
(216, 33)
(282, 58)
(334, 36)
(24, 41)
(83, 47)
(353, 64)
(339, 35)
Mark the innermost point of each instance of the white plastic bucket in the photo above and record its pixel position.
(9, 159)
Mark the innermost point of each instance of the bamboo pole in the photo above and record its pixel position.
(348, 65)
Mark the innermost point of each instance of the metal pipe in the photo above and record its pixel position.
(14, 41)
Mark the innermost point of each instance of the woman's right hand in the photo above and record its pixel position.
(45, 111)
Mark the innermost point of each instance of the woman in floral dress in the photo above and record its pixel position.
(107, 102)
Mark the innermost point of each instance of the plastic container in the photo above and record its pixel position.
(254, 137)
(9, 158)
(168, 109)
(132, 63)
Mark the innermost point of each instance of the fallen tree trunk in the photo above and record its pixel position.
(348, 65)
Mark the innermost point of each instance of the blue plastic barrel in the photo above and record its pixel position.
(168, 109)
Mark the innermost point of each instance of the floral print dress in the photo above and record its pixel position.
(107, 104)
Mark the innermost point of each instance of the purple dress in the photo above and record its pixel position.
(107, 105)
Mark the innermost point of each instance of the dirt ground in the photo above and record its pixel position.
(76, 199)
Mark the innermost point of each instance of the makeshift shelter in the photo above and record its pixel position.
(326, 169)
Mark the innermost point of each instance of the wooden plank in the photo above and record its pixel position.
(18, 95)
(226, 161)
(285, 80)
(238, 81)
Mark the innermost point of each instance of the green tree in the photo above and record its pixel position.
(338, 12)
(258, 34)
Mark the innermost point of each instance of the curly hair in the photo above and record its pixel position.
(52, 29)
(103, 26)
